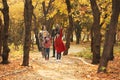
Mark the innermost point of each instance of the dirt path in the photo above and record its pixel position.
(69, 68)
(66, 69)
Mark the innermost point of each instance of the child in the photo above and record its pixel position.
(47, 44)
(42, 36)
(59, 45)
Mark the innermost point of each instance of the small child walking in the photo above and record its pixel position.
(47, 44)
(59, 45)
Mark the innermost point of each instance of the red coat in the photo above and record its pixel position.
(59, 45)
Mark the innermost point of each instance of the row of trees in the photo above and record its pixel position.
(109, 38)
(28, 11)
(74, 17)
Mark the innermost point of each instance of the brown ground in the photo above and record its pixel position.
(69, 68)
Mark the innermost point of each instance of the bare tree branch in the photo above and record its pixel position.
(37, 2)
(50, 2)
(106, 15)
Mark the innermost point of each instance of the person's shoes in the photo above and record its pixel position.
(58, 60)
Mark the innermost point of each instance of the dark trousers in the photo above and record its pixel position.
(58, 56)
(47, 51)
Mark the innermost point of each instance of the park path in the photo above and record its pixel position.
(69, 68)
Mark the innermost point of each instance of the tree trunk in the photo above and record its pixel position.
(110, 36)
(1, 36)
(44, 11)
(70, 28)
(6, 49)
(28, 11)
(78, 32)
(96, 36)
(111, 57)
(71, 38)
(91, 39)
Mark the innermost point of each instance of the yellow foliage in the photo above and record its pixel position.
(52, 14)
(37, 1)
(16, 10)
(83, 1)
(61, 6)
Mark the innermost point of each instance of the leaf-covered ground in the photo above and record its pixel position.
(69, 68)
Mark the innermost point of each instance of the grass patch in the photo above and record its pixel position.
(85, 54)
(14, 54)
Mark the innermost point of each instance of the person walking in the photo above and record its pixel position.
(47, 44)
(44, 33)
(59, 45)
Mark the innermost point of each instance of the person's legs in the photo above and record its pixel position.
(59, 55)
(43, 52)
(47, 53)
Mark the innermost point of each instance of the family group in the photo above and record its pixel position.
(46, 40)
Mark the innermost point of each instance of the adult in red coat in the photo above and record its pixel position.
(59, 45)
